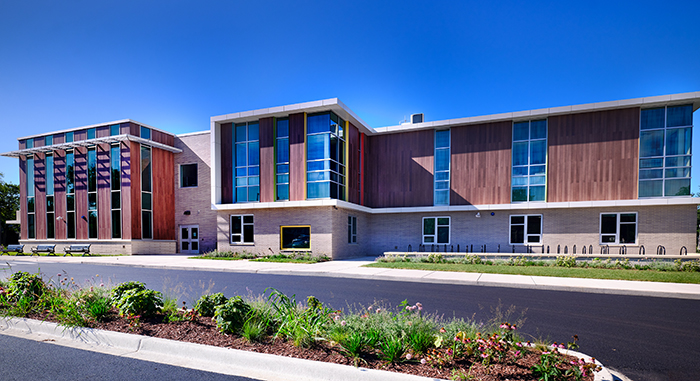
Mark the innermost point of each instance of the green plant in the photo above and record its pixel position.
(139, 302)
(206, 305)
(565, 261)
(121, 288)
(254, 330)
(23, 284)
(391, 349)
(231, 315)
(302, 325)
(547, 369)
(419, 336)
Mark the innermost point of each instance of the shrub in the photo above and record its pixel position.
(135, 302)
(121, 288)
(565, 261)
(231, 315)
(206, 305)
(23, 284)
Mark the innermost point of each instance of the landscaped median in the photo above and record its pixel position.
(402, 339)
(566, 266)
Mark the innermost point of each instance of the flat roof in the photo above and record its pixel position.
(96, 125)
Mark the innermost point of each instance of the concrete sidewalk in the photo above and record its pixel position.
(352, 268)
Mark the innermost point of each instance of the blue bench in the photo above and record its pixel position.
(49, 249)
(17, 249)
(85, 249)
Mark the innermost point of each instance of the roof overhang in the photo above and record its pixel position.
(89, 143)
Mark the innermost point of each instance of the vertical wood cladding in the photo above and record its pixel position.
(163, 194)
(297, 159)
(401, 169)
(480, 164)
(226, 163)
(23, 195)
(593, 156)
(40, 195)
(161, 137)
(102, 132)
(126, 202)
(59, 165)
(134, 129)
(81, 207)
(267, 160)
(353, 145)
(135, 151)
(104, 194)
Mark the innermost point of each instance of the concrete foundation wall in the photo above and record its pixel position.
(115, 247)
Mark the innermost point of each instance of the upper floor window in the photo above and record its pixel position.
(29, 143)
(48, 141)
(325, 157)
(188, 175)
(91, 133)
(69, 137)
(247, 161)
(145, 132)
(529, 177)
(665, 141)
(442, 168)
(114, 130)
(282, 159)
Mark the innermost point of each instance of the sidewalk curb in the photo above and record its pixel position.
(215, 359)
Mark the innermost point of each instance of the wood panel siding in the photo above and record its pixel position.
(593, 156)
(59, 138)
(163, 194)
(40, 195)
(163, 138)
(353, 144)
(23, 196)
(401, 169)
(226, 163)
(297, 157)
(480, 164)
(59, 167)
(81, 207)
(134, 129)
(125, 128)
(102, 131)
(267, 160)
(79, 135)
(126, 193)
(135, 152)
(104, 193)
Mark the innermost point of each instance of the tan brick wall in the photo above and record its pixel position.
(196, 149)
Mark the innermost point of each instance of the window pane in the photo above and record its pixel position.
(679, 116)
(428, 226)
(116, 200)
(538, 152)
(114, 130)
(146, 201)
(70, 202)
(145, 132)
(443, 221)
(651, 163)
(318, 190)
(651, 188)
(538, 129)
(608, 239)
(92, 201)
(50, 225)
(92, 224)
(69, 137)
(49, 204)
(442, 176)
(92, 170)
(533, 239)
(537, 193)
(236, 225)
(677, 161)
(296, 237)
(248, 233)
(519, 181)
(188, 175)
(318, 123)
(283, 168)
(443, 234)
(145, 169)
(677, 188)
(115, 168)
(241, 134)
(283, 150)
(30, 204)
(628, 217)
(49, 174)
(318, 147)
(651, 143)
(91, 133)
(517, 219)
(147, 230)
(678, 172)
(253, 153)
(608, 224)
(520, 171)
(651, 174)
(517, 232)
(248, 219)
(442, 197)
(442, 139)
(678, 141)
(253, 193)
(116, 224)
(282, 179)
(537, 180)
(520, 153)
(538, 169)
(441, 185)
(534, 224)
(442, 160)
(253, 131)
(519, 194)
(30, 226)
(282, 128)
(627, 233)
(521, 131)
(70, 222)
(652, 118)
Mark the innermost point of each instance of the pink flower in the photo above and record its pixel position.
(422, 361)
(343, 323)
(409, 356)
(420, 306)
(336, 318)
(378, 310)
(484, 355)
(517, 353)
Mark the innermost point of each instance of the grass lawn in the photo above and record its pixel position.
(565, 272)
(218, 258)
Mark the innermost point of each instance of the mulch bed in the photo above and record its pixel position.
(202, 330)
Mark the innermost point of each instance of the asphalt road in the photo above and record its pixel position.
(645, 338)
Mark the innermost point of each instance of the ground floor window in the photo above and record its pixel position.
(436, 230)
(618, 228)
(525, 229)
(242, 229)
(295, 237)
(352, 229)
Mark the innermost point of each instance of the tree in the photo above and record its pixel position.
(9, 204)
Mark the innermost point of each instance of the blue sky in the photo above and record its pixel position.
(174, 64)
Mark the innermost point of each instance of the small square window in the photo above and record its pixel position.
(145, 132)
(242, 230)
(114, 130)
(91, 133)
(436, 230)
(188, 175)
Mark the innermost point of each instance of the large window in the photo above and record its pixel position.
(618, 228)
(529, 177)
(70, 194)
(116, 187)
(50, 209)
(325, 156)
(92, 192)
(31, 220)
(442, 167)
(242, 229)
(247, 162)
(282, 159)
(295, 237)
(352, 229)
(188, 175)
(146, 194)
(525, 229)
(665, 141)
(436, 230)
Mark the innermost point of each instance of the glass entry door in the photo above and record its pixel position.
(189, 239)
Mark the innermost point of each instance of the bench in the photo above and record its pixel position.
(50, 249)
(17, 249)
(85, 249)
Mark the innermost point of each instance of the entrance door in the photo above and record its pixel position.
(189, 239)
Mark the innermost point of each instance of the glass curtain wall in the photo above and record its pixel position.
(115, 181)
(529, 177)
(31, 221)
(92, 192)
(247, 161)
(325, 156)
(442, 168)
(282, 159)
(50, 209)
(70, 194)
(146, 194)
(665, 141)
